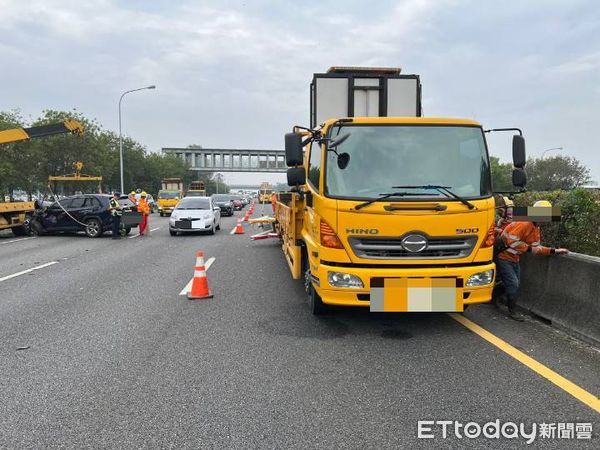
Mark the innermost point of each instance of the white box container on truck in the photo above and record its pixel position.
(358, 92)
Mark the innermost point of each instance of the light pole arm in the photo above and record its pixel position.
(550, 149)
(121, 134)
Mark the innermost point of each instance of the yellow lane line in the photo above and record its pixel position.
(568, 386)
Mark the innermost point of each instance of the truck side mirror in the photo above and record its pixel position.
(518, 151)
(293, 149)
(296, 176)
(519, 177)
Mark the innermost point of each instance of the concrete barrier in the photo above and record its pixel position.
(564, 290)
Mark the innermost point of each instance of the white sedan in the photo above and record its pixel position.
(193, 214)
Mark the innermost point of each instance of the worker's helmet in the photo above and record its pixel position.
(144, 194)
(508, 202)
(132, 193)
(542, 204)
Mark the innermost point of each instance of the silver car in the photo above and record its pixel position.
(195, 214)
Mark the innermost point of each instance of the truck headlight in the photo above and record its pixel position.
(481, 278)
(345, 280)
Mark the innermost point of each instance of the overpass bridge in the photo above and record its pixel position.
(230, 160)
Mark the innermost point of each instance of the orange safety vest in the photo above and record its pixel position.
(143, 206)
(519, 238)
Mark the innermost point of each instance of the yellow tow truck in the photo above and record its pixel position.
(390, 213)
(14, 215)
(169, 195)
(265, 192)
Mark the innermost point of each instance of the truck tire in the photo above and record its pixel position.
(127, 230)
(317, 307)
(93, 228)
(19, 231)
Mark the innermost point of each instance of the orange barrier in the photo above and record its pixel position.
(260, 236)
(200, 282)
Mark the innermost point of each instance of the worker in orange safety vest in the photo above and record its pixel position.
(518, 238)
(144, 208)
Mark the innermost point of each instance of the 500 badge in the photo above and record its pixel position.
(467, 230)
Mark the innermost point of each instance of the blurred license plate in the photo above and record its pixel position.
(197, 224)
(416, 295)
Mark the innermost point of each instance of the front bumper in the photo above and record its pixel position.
(185, 226)
(372, 279)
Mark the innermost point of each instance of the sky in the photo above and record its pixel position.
(236, 74)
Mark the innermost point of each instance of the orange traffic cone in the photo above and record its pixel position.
(247, 216)
(239, 229)
(200, 282)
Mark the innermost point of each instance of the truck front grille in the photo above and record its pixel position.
(392, 248)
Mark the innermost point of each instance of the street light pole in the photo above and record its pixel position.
(121, 134)
(553, 148)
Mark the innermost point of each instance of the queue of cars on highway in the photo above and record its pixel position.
(89, 213)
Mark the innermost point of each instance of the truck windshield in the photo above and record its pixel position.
(392, 155)
(168, 195)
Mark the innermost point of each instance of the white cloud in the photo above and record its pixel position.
(236, 73)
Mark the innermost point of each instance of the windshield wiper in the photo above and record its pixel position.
(383, 197)
(442, 189)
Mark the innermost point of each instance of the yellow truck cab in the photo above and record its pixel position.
(169, 195)
(265, 192)
(391, 213)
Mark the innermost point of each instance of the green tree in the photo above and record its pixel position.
(27, 165)
(558, 172)
(501, 175)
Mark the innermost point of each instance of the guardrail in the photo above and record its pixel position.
(564, 290)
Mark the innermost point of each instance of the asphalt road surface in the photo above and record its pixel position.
(99, 349)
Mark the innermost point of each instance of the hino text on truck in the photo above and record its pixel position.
(388, 209)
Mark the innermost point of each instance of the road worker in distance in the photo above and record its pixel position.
(131, 197)
(116, 211)
(144, 208)
(517, 238)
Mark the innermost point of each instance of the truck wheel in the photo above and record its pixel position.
(127, 230)
(317, 307)
(93, 228)
(19, 231)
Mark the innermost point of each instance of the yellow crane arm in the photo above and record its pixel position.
(23, 134)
